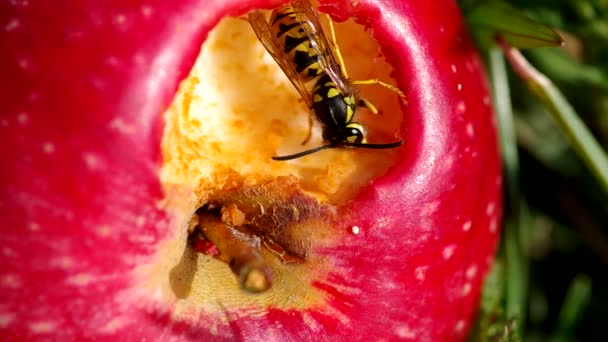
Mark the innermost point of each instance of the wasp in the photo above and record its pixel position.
(294, 37)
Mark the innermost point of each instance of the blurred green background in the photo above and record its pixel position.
(551, 279)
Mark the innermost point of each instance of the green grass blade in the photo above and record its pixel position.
(489, 19)
(581, 139)
(575, 302)
(516, 264)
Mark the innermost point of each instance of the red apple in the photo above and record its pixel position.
(391, 244)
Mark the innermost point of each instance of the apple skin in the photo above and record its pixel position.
(82, 90)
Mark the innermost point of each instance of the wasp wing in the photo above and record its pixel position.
(307, 15)
(261, 28)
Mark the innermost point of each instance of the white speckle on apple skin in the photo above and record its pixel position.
(104, 231)
(466, 289)
(459, 327)
(493, 226)
(454, 69)
(461, 107)
(387, 285)
(42, 327)
(471, 272)
(140, 221)
(80, 279)
(7, 252)
(382, 222)
(213, 330)
(420, 273)
(490, 208)
(99, 83)
(405, 332)
(448, 162)
(33, 226)
(431, 208)
(11, 281)
(25, 63)
(6, 319)
(486, 100)
(22, 118)
(144, 239)
(139, 59)
(64, 263)
(470, 130)
(448, 251)
(355, 230)
(121, 126)
(33, 97)
(113, 325)
(12, 25)
(112, 61)
(459, 86)
(48, 147)
(467, 226)
(91, 161)
(120, 19)
(146, 11)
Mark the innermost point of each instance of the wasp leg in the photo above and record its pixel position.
(334, 42)
(384, 84)
(369, 105)
(309, 135)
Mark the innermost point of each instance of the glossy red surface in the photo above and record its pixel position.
(82, 88)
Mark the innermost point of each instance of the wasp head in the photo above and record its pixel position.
(352, 133)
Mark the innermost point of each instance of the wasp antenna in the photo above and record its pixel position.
(375, 146)
(302, 154)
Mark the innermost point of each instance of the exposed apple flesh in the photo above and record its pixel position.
(235, 111)
(89, 250)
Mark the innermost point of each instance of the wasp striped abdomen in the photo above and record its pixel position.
(286, 26)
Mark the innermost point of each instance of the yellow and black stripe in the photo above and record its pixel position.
(297, 46)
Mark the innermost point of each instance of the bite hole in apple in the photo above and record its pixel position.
(234, 112)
